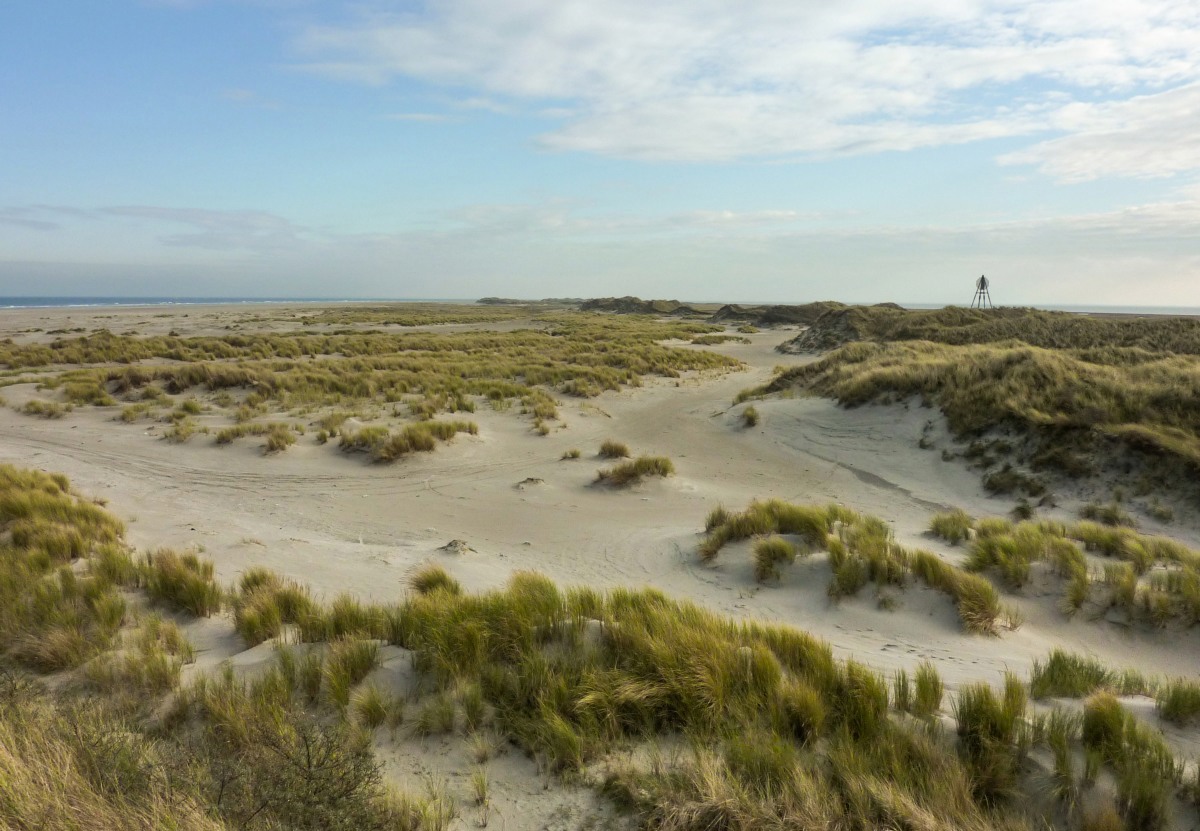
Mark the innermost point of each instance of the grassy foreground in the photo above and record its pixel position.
(782, 734)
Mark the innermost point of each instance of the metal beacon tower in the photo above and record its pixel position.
(983, 298)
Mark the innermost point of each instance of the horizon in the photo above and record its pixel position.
(537, 149)
(101, 301)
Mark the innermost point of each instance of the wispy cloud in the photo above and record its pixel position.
(558, 248)
(25, 218)
(703, 80)
(1149, 136)
(40, 217)
(217, 230)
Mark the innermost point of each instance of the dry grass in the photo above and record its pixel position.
(384, 445)
(861, 551)
(613, 449)
(1172, 592)
(631, 473)
(1071, 403)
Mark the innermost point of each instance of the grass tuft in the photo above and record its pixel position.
(633, 472)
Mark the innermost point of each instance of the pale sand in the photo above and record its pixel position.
(340, 524)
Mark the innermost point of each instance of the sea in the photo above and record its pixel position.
(52, 302)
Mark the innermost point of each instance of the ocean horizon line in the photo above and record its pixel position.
(102, 301)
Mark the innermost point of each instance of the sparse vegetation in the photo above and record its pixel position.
(633, 472)
(613, 449)
(1141, 760)
(861, 551)
(1111, 514)
(769, 553)
(1065, 675)
(750, 416)
(347, 371)
(434, 579)
(953, 527)
(45, 409)
(384, 445)
(1179, 701)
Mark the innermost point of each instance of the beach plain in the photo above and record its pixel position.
(369, 490)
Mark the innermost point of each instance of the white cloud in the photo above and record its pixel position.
(704, 80)
(1146, 136)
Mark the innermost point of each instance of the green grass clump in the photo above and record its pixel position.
(863, 551)
(750, 417)
(573, 453)
(265, 602)
(433, 579)
(631, 473)
(373, 707)
(927, 690)
(45, 409)
(1141, 760)
(1066, 675)
(181, 581)
(774, 516)
(952, 527)
(347, 663)
(987, 727)
(1110, 514)
(612, 449)
(385, 446)
(52, 615)
(180, 431)
(1179, 701)
(279, 438)
(436, 717)
(148, 665)
(769, 553)
(717, 517)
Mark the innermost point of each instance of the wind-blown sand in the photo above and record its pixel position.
(340, 524)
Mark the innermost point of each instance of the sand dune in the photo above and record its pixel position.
(341, 524)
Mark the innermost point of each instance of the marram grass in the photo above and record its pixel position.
(783, 735)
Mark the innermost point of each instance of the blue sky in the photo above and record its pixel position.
(782, 150)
